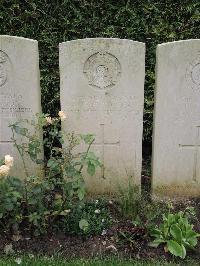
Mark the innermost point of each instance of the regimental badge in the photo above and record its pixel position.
(102, 70)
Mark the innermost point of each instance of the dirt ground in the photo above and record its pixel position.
(110, 243)
(106, 244)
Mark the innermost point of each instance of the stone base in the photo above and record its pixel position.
(176, 191)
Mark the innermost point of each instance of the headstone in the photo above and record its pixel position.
(176, 141)
(102, 87)
(19, 92)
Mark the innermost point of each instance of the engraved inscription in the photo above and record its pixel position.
(102, 70)
(12, 105)
(193, 74)
(4, 61)
(94, 103)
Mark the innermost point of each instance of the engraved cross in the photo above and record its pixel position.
(103, 143)
(195, 147)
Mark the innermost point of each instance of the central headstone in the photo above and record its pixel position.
(19, 93)
(102, 87)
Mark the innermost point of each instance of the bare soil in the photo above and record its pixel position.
(111, 243)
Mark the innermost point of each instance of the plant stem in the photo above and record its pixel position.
(24, 164)
(86, 154)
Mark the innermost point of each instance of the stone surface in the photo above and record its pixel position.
(176, 141)
(19, 91)
(102, 91)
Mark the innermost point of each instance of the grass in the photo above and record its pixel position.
(138, 207)
(57, 261)
(129, 199)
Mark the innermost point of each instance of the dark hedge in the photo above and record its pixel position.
(51, 22)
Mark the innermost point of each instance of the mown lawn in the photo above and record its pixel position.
(56, 261)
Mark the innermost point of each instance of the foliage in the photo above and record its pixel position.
(88, 218)
(40, 201)
(52, 22)
(62, 162)
(177, 232)
(141, 215)
(138, 207)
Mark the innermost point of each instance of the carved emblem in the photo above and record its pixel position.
(193, 74)
(3, 67)
(102, 70)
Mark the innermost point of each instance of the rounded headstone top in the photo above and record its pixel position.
(96, 40)
(16, 38)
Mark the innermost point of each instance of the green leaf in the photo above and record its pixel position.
(156, 232)
(156, 243)
(81, 193)
(91, 169)
(192, 241)
(171, 218)
(50, 163)
(64, 213)
(16, 194)
(165, 230)
(9, 206)
(53, 164)
(184, 251)
(20, 131)
(89, 138)
(176, 249)
(83, 224)
(176, 233)
(191, 234)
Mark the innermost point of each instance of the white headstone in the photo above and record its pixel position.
(102, 87)
(176, 141)
(19, 91)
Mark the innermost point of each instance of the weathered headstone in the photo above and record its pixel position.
(176, 141)
(102, 83)
(19, 92)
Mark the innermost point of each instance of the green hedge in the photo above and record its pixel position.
(51, 22)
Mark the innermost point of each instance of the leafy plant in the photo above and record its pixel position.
(11, 194)
(91, 217)
(40, 201)
(176, 232)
